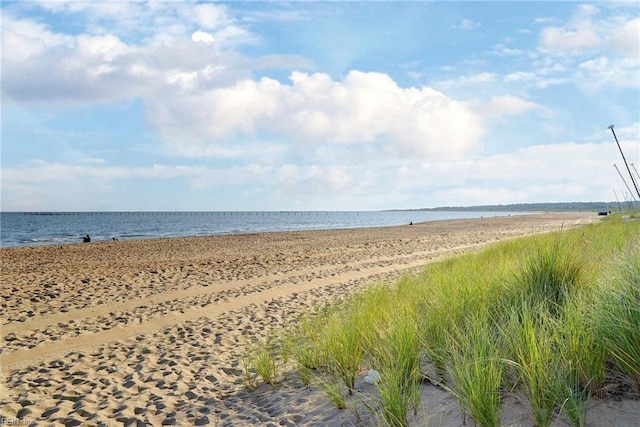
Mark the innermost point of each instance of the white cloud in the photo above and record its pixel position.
(602, 72)
(466, 81)
(633, 131)
(313, 180)
(570, 40)
(626, 39)
(586, 32)
(470, 196)
(156, 22)
(105, 48)
(41, 185)
(500, 106)
(202, 36)
(502, 50)
(187, 45)
(519, 76)
(578, 35)
(467, 24)
(211, 16)
(314, 110)
(559, 172)
(42, 66)
(23, 39)
(42, 172)
(592, 50)
(104, 9)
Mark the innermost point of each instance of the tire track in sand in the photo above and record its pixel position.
(16, 359)
(104, 309)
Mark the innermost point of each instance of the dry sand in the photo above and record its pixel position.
(152, 332)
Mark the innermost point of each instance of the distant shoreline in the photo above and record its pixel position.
(512, 207)
(527, 207)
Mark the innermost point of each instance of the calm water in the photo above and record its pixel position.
(23, 229)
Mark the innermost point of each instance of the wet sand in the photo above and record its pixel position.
(152, 332)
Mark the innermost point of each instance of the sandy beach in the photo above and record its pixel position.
(152, 332)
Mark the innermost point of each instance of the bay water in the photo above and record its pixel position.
(56, 228)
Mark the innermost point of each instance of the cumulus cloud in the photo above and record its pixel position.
(586, 32)
(602, 72)
(593, 50)
(575, 39)
(203, 100)
(626, 39)
(576, 36)
(155, 22)
(314, 109)
(210, 16)
(115, 59)
(554, 172)
(507, 105)
(202, 36)
(23, 39)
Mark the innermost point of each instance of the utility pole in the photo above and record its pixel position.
(625, 182)
(634, 168)
(617, 201)
(625, 163)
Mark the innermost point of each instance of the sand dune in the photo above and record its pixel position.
(153, 332)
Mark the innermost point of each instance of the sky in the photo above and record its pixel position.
(325, 105)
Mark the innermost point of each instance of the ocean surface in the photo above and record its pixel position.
(33, 229)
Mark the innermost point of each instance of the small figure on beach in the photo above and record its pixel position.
(411, 223)
(86, 239)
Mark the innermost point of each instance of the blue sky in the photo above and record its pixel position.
(315, 105)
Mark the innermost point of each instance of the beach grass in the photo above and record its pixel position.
(548, 317)
(344, 346)
(618, 313)
(265, 362)
(397, 356)
(535, 357)
(475, 369)
(334, 390)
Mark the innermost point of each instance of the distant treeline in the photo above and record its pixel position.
(535, 207)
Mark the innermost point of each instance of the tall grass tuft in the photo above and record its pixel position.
(550, 274)
(397, 356)
(574, 397)
(248, 373)
(308, 344)
(344, 347)
(455, 288)
(540, 371)
(265, 364)
(619, 314)
(580, 345)
(333, 388)
(476, 369)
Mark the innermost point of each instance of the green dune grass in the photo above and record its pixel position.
(547, 317)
